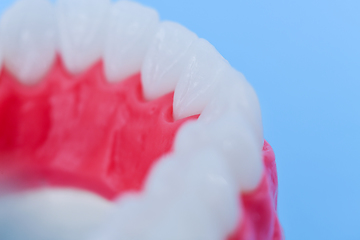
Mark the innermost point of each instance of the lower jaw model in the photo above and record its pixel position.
(115, 125)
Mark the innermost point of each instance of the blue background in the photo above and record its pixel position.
(303, 59)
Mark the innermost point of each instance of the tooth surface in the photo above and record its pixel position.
(166, 59)
(236, 95)
(28, 38)
(82, 28)
(198, 83)
(200, 189)
(229, 134)
(57, 214)
(130, 30)
(131, 219)
(193, 199)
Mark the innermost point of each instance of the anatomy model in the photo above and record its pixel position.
(115, 125)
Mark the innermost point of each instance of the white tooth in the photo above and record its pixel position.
(232, 136)
(200, 79)
(131, 219)
(186, 219)
(238, 96)
(167, 167)
(61, 214)
(131, 28)
(82, 29)
(28, 37)
(166, 59)
(185, 197)
(204, 202)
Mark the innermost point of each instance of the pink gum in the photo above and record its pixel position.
(259, 211)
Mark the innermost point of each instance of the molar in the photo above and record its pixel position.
(236, 95)
(229, 134)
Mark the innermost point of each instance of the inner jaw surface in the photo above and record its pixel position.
(80, 131)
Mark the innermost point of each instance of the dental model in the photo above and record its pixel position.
(117, 126)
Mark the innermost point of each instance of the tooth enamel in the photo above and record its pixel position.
(185, 197)
(238, 96)
(131, 219)
(82, 29)
(166, 59)
(28, 38)
(131, 28)
(186, 219)
(61, 214)
(231, 135)
(199, 81)
(201, 187)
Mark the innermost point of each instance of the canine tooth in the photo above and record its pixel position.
(166, 59)
(28, 37)
(203, 73)
(237, 95)
(229, 134)
(82, 29)
(131, 28)
(64, 214)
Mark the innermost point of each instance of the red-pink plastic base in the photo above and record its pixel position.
(81, 131)
(259, 216)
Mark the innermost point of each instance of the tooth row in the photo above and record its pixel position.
(83, 31)
(186, 197)
(128, 37)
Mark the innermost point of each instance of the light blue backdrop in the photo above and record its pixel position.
(303, 58)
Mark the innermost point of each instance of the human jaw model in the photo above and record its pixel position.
(115, 125)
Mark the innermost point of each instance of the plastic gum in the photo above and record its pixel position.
(81, 131)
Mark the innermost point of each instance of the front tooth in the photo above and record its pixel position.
(166, 59)
(82, 29)
(28, 37)
(236, 95)
(131, 28)
(231, 135)
(200, 79)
